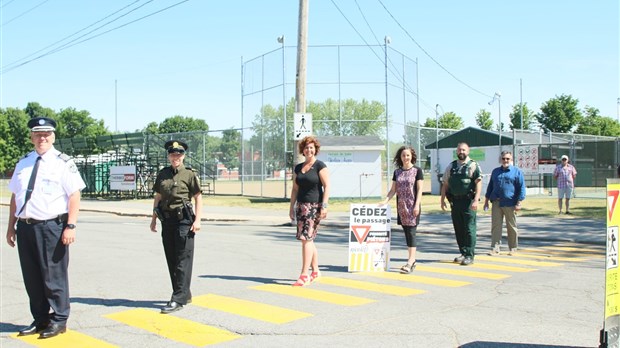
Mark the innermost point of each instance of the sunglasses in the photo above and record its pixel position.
(506, 158)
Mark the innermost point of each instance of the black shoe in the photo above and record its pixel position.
(467, 261)
(189, 300)
(459, 259)
(171, 307)
(33, 328)
(53, 330)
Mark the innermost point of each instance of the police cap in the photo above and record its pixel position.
(42, 124)
(175, 146)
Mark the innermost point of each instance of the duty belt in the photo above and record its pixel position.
(59, 219)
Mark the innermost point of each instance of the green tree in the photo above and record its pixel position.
(483, 119)
(448, 120)
(230, 148)
(151, 128)
(74, 124)
(15, 135)
(595, 124)
(357, 117)
(180, 124)
(33, 110)
(559, 114)
(515, 117)
(269, 135)
(326, 121)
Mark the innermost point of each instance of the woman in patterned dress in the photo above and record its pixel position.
(407, 184)
(309, 197)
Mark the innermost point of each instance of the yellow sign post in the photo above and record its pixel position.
(610, 334)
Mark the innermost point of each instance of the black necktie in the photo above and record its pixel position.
(33, 178)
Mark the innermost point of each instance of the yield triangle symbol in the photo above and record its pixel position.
(360, 233)
(612, 198)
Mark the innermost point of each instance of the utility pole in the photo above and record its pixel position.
(300, 80)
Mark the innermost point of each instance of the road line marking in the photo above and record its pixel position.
(515, 260)
(567, 248)
(416, 279)
(68, 339)
(554, 253)
(494, 267)
(249, 309)
(368, 286)
(173, 328)
(313, 294)
(461, 272)
(553, 258)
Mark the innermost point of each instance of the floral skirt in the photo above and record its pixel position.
(308, 218)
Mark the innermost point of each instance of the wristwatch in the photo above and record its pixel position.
(71, 226)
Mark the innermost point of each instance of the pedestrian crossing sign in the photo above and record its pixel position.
(302, 125)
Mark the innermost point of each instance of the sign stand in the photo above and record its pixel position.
(610, 334)
(369, 237)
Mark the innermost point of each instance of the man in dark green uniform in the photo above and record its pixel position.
(174, 188)
(462, 183)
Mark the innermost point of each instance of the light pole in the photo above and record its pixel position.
(437, 139)
(437, 166)
(387, 40)
(498, 96)
(281, 40)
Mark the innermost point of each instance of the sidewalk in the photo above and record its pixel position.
(555, 228)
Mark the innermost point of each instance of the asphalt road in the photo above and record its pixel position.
(550, 295)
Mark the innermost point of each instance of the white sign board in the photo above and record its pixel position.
(123, 178)
(369, 237)
(302, 125)
(527, 159)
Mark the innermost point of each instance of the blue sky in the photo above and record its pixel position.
(186, 60)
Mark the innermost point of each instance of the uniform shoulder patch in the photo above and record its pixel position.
(69, 161)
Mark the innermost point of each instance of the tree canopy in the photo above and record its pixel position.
(483, 119)
(515, 117)
(559, 114)
(595, 124)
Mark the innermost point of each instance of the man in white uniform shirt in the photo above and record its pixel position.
(42, 216)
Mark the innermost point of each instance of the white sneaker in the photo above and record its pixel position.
(512, 251)
(494, 251)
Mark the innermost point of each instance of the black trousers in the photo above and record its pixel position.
(178, 243)
(45, 261)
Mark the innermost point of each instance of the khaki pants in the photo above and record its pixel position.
(497, 216)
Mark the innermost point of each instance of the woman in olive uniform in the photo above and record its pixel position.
(174, 188)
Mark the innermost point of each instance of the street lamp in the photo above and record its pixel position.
(498, 96)
(387, 40)
(437, 138)
(281, 41)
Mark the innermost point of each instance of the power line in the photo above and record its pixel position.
(431, 57)
(23, 13)
(73, 43)
(66, 37)
(397, 75)
(6, 3)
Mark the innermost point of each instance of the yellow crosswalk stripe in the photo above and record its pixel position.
(516, 260)
(554, 254)
(569, 248)
(249, 309)
(494, 267)
(554, 258)
(461, 272)
(68, 339)
(173, 328)
(368, 286)
(313, 294)
(416, 279)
